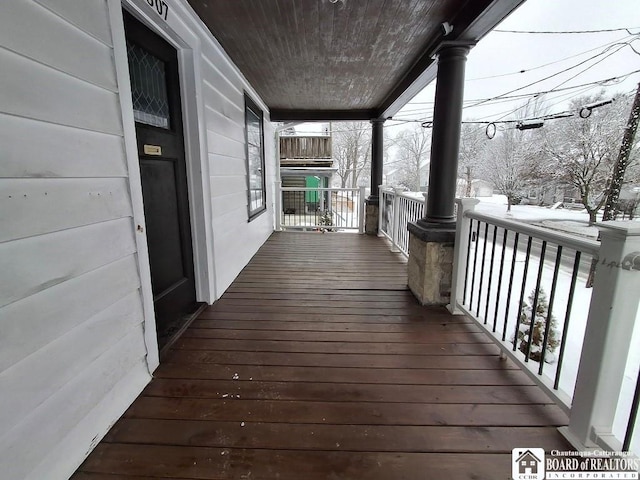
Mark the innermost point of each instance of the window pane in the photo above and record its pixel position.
(255, 159)
(148, 87)
(253, 129)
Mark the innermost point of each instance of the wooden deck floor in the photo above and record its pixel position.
(317, 363)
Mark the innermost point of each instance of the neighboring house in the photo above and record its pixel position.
(401, 177)
(479, 188)
(137, 174)
(305, 162)
(629, 203)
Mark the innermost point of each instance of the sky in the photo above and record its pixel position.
(503, 56)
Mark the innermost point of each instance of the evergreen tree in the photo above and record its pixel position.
(539, 325)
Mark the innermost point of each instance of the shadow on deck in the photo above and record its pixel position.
(318, 363)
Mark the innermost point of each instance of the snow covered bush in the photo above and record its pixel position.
(541, 313)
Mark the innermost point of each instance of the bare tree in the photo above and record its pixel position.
(351, 151)
(412, 156)
(585, 150)
(508, 162)
(473, 141)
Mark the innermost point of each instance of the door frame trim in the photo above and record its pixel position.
(188, 47)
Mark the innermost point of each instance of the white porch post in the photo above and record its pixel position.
(607, 338)
(459, 253)
(361, 208)
(321, 195)
(395, 219)
(278, 207)
(381, 207)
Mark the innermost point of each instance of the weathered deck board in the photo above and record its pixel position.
(319, 364)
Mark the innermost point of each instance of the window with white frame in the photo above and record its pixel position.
(254, 132)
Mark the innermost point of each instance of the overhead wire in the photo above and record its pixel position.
(565, 81)
(507, 98)
(541, 80)
(593, 65)
(564, 32)
(537, 67)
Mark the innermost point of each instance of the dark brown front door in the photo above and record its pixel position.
(155, 88)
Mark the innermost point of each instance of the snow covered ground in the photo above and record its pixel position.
(561, 219)
(571, 222)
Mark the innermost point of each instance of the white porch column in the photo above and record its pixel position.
(607, 340)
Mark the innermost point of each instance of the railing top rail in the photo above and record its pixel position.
(318, 189)
(408, 196)
(591, 247)
(391, 191)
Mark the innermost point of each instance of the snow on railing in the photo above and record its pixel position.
(398, 208)
(320, 209)
(529, 289)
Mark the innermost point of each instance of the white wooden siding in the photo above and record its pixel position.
(30, 324)
(70, 304)
(72, 337)
(235, 239)
(58, 152)
(91, 63)
(33, 90)
(91, 18)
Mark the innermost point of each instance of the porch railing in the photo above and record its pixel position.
(530, 290)
(320, 209)
(397, 208)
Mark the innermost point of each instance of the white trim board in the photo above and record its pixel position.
(188, 48)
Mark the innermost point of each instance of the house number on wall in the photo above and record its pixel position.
(161, 7)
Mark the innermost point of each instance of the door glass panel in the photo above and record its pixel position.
(148, 87)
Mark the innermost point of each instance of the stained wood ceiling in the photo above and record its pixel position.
(324, 59)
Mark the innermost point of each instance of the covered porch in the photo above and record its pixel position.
(318, 363)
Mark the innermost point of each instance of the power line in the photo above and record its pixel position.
(563, 32)
(594, 64)
(572, 77)
(542, 79)
(537, 67)
(509, 98)
(504, 98)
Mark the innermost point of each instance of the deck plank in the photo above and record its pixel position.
(318, 363)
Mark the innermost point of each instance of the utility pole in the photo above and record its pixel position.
(613, 195)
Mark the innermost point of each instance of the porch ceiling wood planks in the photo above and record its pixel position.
(343, 59)
(301, 370)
